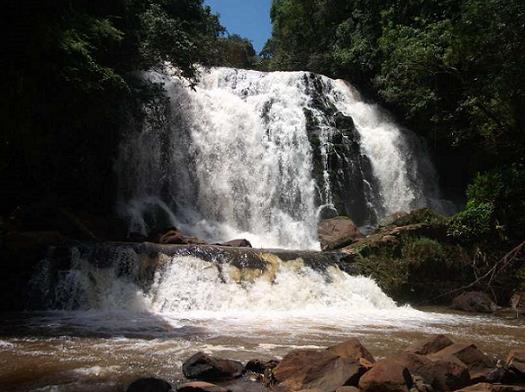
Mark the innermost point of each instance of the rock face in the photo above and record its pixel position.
(474, 301)
(323, 370)
(387, 375)
(206, 368)
(337, 232)
(149, 385)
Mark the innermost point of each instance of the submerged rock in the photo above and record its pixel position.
(207, 368)
(149, 385)
(337, 232)
(474, 301)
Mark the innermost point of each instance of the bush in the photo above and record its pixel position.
(424, 253)
(472, 224)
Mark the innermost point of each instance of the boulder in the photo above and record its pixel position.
(176, 237)
(240, 243)
(486, 387)
(387, 375)
(440, 375)
(200, 386)
(516, 362)
(430, 346)
(149, 385)
(347, 389)
(242, 385)
(321, 370)
(206, 368)
(474, 301)
(479, 365)
(353, 349)
(337, 232)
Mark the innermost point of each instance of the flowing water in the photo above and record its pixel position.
(256, 155)
(141, 316)
(244, 154)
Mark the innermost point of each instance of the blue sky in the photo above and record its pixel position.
(248, 18)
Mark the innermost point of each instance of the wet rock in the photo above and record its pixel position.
(479, 365)
(353, 349)
(149, 385)
(200, 386)
(474, 301)
(175, 237)
(516, 362)
(387, 375)
(486, 387)
(245, 386)
(431, 345)
(321, 370)
(240, 243)
(206, 368)
(337, 232)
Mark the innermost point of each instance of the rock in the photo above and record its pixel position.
(516, 362)
(486, 387)
(479, 365)
(176, 237)
(387, 375)
(440, 375)
(258, 366)
(149, 385)
(353, 349)
(245, 386)
(241, 243)
(206, 368)
(430, 346)
(474, 301)
(322, 370)
(337, 232)
(200, 386)
(347, 389)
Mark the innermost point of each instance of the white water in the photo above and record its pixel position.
(232, 159)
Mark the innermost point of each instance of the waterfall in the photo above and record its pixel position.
(261, 156)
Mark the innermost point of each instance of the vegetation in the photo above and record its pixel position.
(69, 88)
(451, 70)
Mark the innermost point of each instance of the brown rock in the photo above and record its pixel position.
(347, 389)
(337, 232)
(206, 368)
(387, 375)
(176, 237)
(200, 386)
(516, 362)
(241, 243)
(316, 369)
(474, 301)
(245, 386)
(431, 345)
(479, 365)
(486, 387)
(149, 385)
(353, 349)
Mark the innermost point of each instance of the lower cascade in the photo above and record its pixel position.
(264, 156)
(206, 280)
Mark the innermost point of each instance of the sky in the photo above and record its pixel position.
(248, 18)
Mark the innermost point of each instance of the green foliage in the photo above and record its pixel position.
(425, 254)
(235, 51)
(69, 88)
(474, 223)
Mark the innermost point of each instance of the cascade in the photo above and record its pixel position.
(264, 156)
